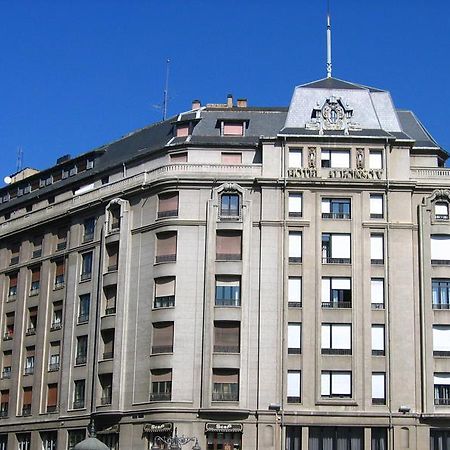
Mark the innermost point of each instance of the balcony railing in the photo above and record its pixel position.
(441, 353)
(294, 351)
(6, 373)
(441, 216)
(378, 352)
(295, 259)
(166, 258)
(31, 331)
(107, 400)
(108, 355)
(441, 305)
(14, 260)
(378, 262)
(226, 349)
(59, 282)
(37, 253)
(53, 367)
(81, 359)
(172, 213)
(225, 396)
(442, 401)
(160, 396)
(162, 349)
(110, 311)
(330, 260)
(336, 304)
(12, 294)
(7, 336)
(376, 216)
(228, 257)
(26, 410)
(55, 326)
(167, 301)
(4, 410)
(78, 404)
(29, 370)
(52, 408)
(377, 305)
(83, 318)
(336, 351)
(295, 214)
(293, 399)
(335, 215)
(228, 302)
(61, 246)
(88, 237)
(378, 401)
(112, 268)
(440, 262)
(295, 304)
(86, 276)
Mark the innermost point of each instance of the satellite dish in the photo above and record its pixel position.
(7, 179)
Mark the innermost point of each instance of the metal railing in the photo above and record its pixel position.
(6, 373)
(336, 304)
(81, 359)
(378, 401)
(52, 408)
(167, 301)
(61, 245)
(377, 305)
(88, 237)
(336, 351)
(160, 396)
(442, 401)
(78, 404)
(31, 331)
(108, 355)
(86, 276)
(163, 214)
(112, 267)
(225, 396)
(166, 258)
(335, 215)
(29, 370)
(441, 353)
(54, 367)
(378, 352)
(440, 262)
(83, 318)
(293, 400)
(294, 351)
(376, 216)
(295, 259)
(226, 349)
(330, 260)
(107, 400)
(162, 349)
(37, 253)
(294, 304)
(14, 260)
(26, 410)
(110, 311)
(378, 262)
(228, 257)
(8, 336)
(55, 326)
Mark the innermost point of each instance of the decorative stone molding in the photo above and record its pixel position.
(312, 157)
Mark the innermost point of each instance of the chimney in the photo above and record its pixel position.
(196, 104)
(229, 100)
(242, 103)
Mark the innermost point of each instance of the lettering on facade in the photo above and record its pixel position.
(157, 427)
(302, 173)
(223, 427)
(355, 174)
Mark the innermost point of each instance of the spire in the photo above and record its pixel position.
(329, 65)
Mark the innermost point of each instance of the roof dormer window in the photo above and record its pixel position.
(233, 128)
(183, 129)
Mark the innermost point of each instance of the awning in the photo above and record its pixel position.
(158, 427)
(223, 427)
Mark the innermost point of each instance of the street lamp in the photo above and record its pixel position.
(175, 442)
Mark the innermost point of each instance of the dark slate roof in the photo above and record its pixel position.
(335, 83)
(413, 127)
(358, 133)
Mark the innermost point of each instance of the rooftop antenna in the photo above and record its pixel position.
(19, 164)
(166, 91)
(329, 65)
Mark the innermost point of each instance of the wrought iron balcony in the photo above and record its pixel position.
(225, 396)
(160, 396)
(163, 214)
(26, 410)
(162, 349)
(80, 359)
(336, 304)
(78, 404)
(336, 351)
(166, 258)
(226, 349)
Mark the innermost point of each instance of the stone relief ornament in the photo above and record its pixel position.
(360, 158)
(332, 115)
(312, 157)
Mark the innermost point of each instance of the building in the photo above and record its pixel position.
(255, 277)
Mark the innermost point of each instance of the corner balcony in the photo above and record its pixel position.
(431, 174)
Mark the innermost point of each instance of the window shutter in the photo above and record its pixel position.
(295, 158)
(376, 247)
(378, 337)
(232, 158)
(52, 395)
(7, 359)
(340, 159)
(294, 289)
(326, 283)
(168, 202)
(27, 395)
(440, 247)
(326, 204)
(59, 268)
(295, 203)
(226, 334)
(35, 274)
(441, 338)
(340, 283)
(228, 243)
(378, 385)
(10, 319)
(163, 334)
(166, 243)
(293, 384)
(13, 280)
(225, 376)
(183, 130)
(376, 204)
(108, 341)
(377, 290)
(295, 245)
(341, 335)
(30, 352)
(160, 375)
(233, 129)
(294, 335)
(5, 396)
(341, 383)
(165, 286)
(442, 378)
(340, 246)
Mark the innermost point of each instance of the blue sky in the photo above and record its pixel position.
(75, 75)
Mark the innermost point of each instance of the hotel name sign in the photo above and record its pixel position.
(353, 174)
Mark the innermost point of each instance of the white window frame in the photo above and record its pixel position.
(336, 338)
(330, 381)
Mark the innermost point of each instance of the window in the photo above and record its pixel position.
(293, 437)
(439, 439)
(32, 320)
(336, 384)
(53, 362)
(61, 243)
(375, 159)
(26, 401)
(83, 309)
(114, 218)
(377, 293)
(35, 280)
(295, 247)
(4, 405)
(441, 340)
(226, 337)
(86, 266)
(231, 158)
(164, 292)
(336, 208)
(108, 343)
(168, 204)
(336, 293)
(24, 441)
(112, 251)
(79, 394)
(294, 338)
(225, 385)
(15, 252)
(6, 364)
(106, 388)
(336, 339)
(441, 294)
(442, 388)
(75, 437)
(179, 157)
(232, 128)
(336, 438)
(162, 337)
(378, 340)
(3, 441)
(295, 158)
(166, 246)
(59, 274)
(9, 327)
(57, 316)
(29, 360)
(379, 439)
(111, 440)
(376, 248)
(228, 290)
(295, 292)
(229, 206)
(82, 347)
(161, 385)
(376, 206)
(52, 397)
(440, 249)
(228, 245)
(378, 388)
(89, 229)
(110, 295)
(12, 290)
(293, 386)
(335, 159)
(295, 204)
(336, 248)
(49, 440)
(183, 129)
(441, 211)
(37, 247)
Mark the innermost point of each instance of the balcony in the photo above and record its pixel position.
(163, 214)
(378, 352)
(167, 301)
(442, 401)
(28, 370)
(377, 305)
(26, 410)
(107, 400)
(293, 400)
(441, 353)
(31, 331)
(441, 216)
(160, 396)
(34, 291)
(12, 294)
(295, 259)
(330, 260)
(378, 401)
(440, 262)
(379, 262)
(53, 367)
(294, 304)
(59, 282)
(108, 355)
(55, 326)
(225, 396)
(83, 318)
(6, 373)
(88, 237)
(110, 311)
(226, 349)
(80, 359)
(294, 351)
(86, 276)
(336, 215)
(166, 258)
(336, 305)
(78, 404)
(8, 335)
(162, 349)
(336, 351)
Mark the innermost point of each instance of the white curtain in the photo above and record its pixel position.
(295, 158)
(378, 385)
(340, 246)
(377, 290)
(440, 247)
(295, 289)
(377, 337)
(295, 245)
(376, 204)
(340, 159)
(441, 338)
(295, 203)
(294, 335)
(326, 289)
(376, 247)
(342, 336)
(293, 384)
(375, 160)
